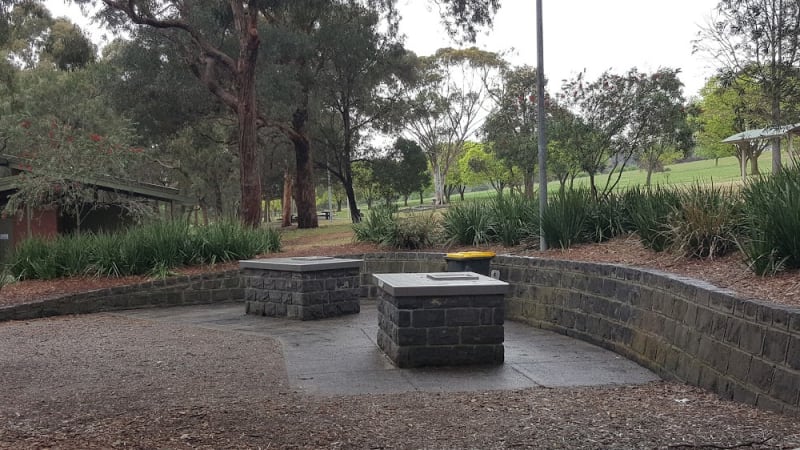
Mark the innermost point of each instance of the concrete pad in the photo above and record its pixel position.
(339, 356)
(587, 373)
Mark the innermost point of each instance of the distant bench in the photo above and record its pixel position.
(322, 214)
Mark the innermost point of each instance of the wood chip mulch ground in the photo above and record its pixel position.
(106, 381)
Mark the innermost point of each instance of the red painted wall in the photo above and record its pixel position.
(44, 223)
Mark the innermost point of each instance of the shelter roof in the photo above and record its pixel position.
(763, 133)
(129, 187)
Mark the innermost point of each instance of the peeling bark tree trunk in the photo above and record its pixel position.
(306, 194)
(286, 220)
(247, 115)
(438, 184)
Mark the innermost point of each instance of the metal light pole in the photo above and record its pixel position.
(330, 201)
(540, 124)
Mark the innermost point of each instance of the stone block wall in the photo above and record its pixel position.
(396, 262)
(174, 291)
(301, 295)
(420, 331)
(681, 328)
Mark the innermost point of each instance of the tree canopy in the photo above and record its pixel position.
(756, 41)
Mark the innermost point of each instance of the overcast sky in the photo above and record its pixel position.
(578, 34)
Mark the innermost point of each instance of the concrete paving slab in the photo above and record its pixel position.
(586, 373)
(339, 356)
(468, 378)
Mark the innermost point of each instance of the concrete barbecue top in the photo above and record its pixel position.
(301, 263)
(438, 283)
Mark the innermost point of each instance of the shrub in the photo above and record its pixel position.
(607, 218)
(229, 241)
(33, 259)
(648, 211)
(5, 276)
(705, 223)
(160, 243)
(468, 223)
(70, 254)
(383, 226)
(514, 218)
(565, 220)
(153, 249)
(414, 232)
(771, 225)
(378, 223)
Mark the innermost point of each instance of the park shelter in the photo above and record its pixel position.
(52, 220)
(765, 134)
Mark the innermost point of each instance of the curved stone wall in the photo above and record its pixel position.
(680, 328)
(182, 290)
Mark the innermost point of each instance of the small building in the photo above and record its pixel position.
(48, 221)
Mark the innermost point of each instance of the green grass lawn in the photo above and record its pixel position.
(719, 172)
(723, 171)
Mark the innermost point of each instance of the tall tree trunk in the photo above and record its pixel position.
(421, 200)
(438, 184)
(286, 220)
(247, 115)
(306, 195)
(649, 175)
(527, 178)
(350, 193)
(218, 202)
(743, 166)
(591, 184)
(355, 213)
(776, 142)
(754, 166)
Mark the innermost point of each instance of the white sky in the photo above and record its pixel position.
(578, 34)
(584, 34)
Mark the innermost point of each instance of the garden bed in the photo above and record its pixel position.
(727, 272)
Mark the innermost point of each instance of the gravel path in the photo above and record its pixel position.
(104, 381)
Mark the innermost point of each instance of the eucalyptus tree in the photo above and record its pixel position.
(24, 31)
(662, 117)
(187, 135)
(358, 86)
(480, 165)
(445, 106)
(724, 110)
(616, 116)
(67, 46)
(411, 171)
(757, 41)
(511, 125)
(229, 72)
(566, 136)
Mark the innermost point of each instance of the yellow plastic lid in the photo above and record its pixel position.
(470, 255)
